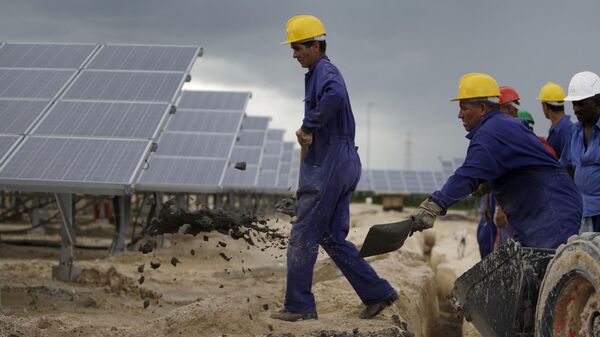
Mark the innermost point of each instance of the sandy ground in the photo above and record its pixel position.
(205, 295)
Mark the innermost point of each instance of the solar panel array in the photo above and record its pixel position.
(90, 112)
(84, 118)
(285, 167)
(294, 169)
(269, 173)
(407, 181)
(195, 147)
(248, 148)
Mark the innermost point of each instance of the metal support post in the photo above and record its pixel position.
(122, 210)
(34, 214)
(65, 271)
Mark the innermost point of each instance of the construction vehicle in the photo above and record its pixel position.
(521, 291)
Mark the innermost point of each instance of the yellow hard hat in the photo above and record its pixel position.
(552, 92)
(474, 85)
(303, 27)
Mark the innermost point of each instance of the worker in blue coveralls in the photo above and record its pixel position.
(552, 97)
(328, 174)
(583, 153)
(540, 200)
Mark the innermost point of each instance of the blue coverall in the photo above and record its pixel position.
(541, 201)
(486, 229)
(329, 173)
(560, 135)
(586, 162)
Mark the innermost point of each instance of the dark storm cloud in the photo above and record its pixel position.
(405, 56)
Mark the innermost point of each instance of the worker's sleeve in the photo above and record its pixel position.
(332, 99)
(565, 156)
(480, 165)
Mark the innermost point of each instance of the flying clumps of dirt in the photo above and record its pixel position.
(286, 206)
(237, 226)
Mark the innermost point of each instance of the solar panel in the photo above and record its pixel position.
(396, 181)
(17, 116)
(205, 121)
(364, 184)
(125, 86)
(141, 57)
(255, 138)
(95, 137)
(103, 119)
(182, 174)
(194, 145)
(213, 100)
(195, 149)
(413, 185)
(235, 178)
(284, 168)
(250, 155)
(428, 182)
(439, 178)
(268, 179)
(270, 163)
(6, 143)
(294, 169)
(379, 181)
(255, 123)
(71, 161)
(33, 83)
(275, 135)
(447, 168)
(61, 56)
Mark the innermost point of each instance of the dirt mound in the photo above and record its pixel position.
(113, 282)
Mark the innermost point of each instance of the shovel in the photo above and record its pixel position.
(386, 238)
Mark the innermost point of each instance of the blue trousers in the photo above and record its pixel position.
(323, 212)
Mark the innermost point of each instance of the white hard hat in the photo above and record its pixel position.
(583, 85)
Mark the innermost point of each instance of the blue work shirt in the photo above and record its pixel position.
(587, 166)
(327, 111)
(560, 134)
(540, 200)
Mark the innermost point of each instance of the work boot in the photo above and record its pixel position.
(289, 316)
(373, 309)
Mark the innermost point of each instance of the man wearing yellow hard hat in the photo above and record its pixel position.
(328, 174)
(552, 97)
(541, 202)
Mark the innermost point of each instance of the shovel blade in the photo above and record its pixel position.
(386, 238)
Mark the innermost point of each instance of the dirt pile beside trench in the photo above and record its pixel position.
(113, 282)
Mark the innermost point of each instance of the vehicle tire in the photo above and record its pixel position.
(569, 298)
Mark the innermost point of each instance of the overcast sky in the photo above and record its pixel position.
(403, 56)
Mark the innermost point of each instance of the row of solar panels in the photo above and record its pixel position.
(86, 118)
(406, 181)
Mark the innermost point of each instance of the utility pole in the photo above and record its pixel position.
(369, 105)
(408, 153)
